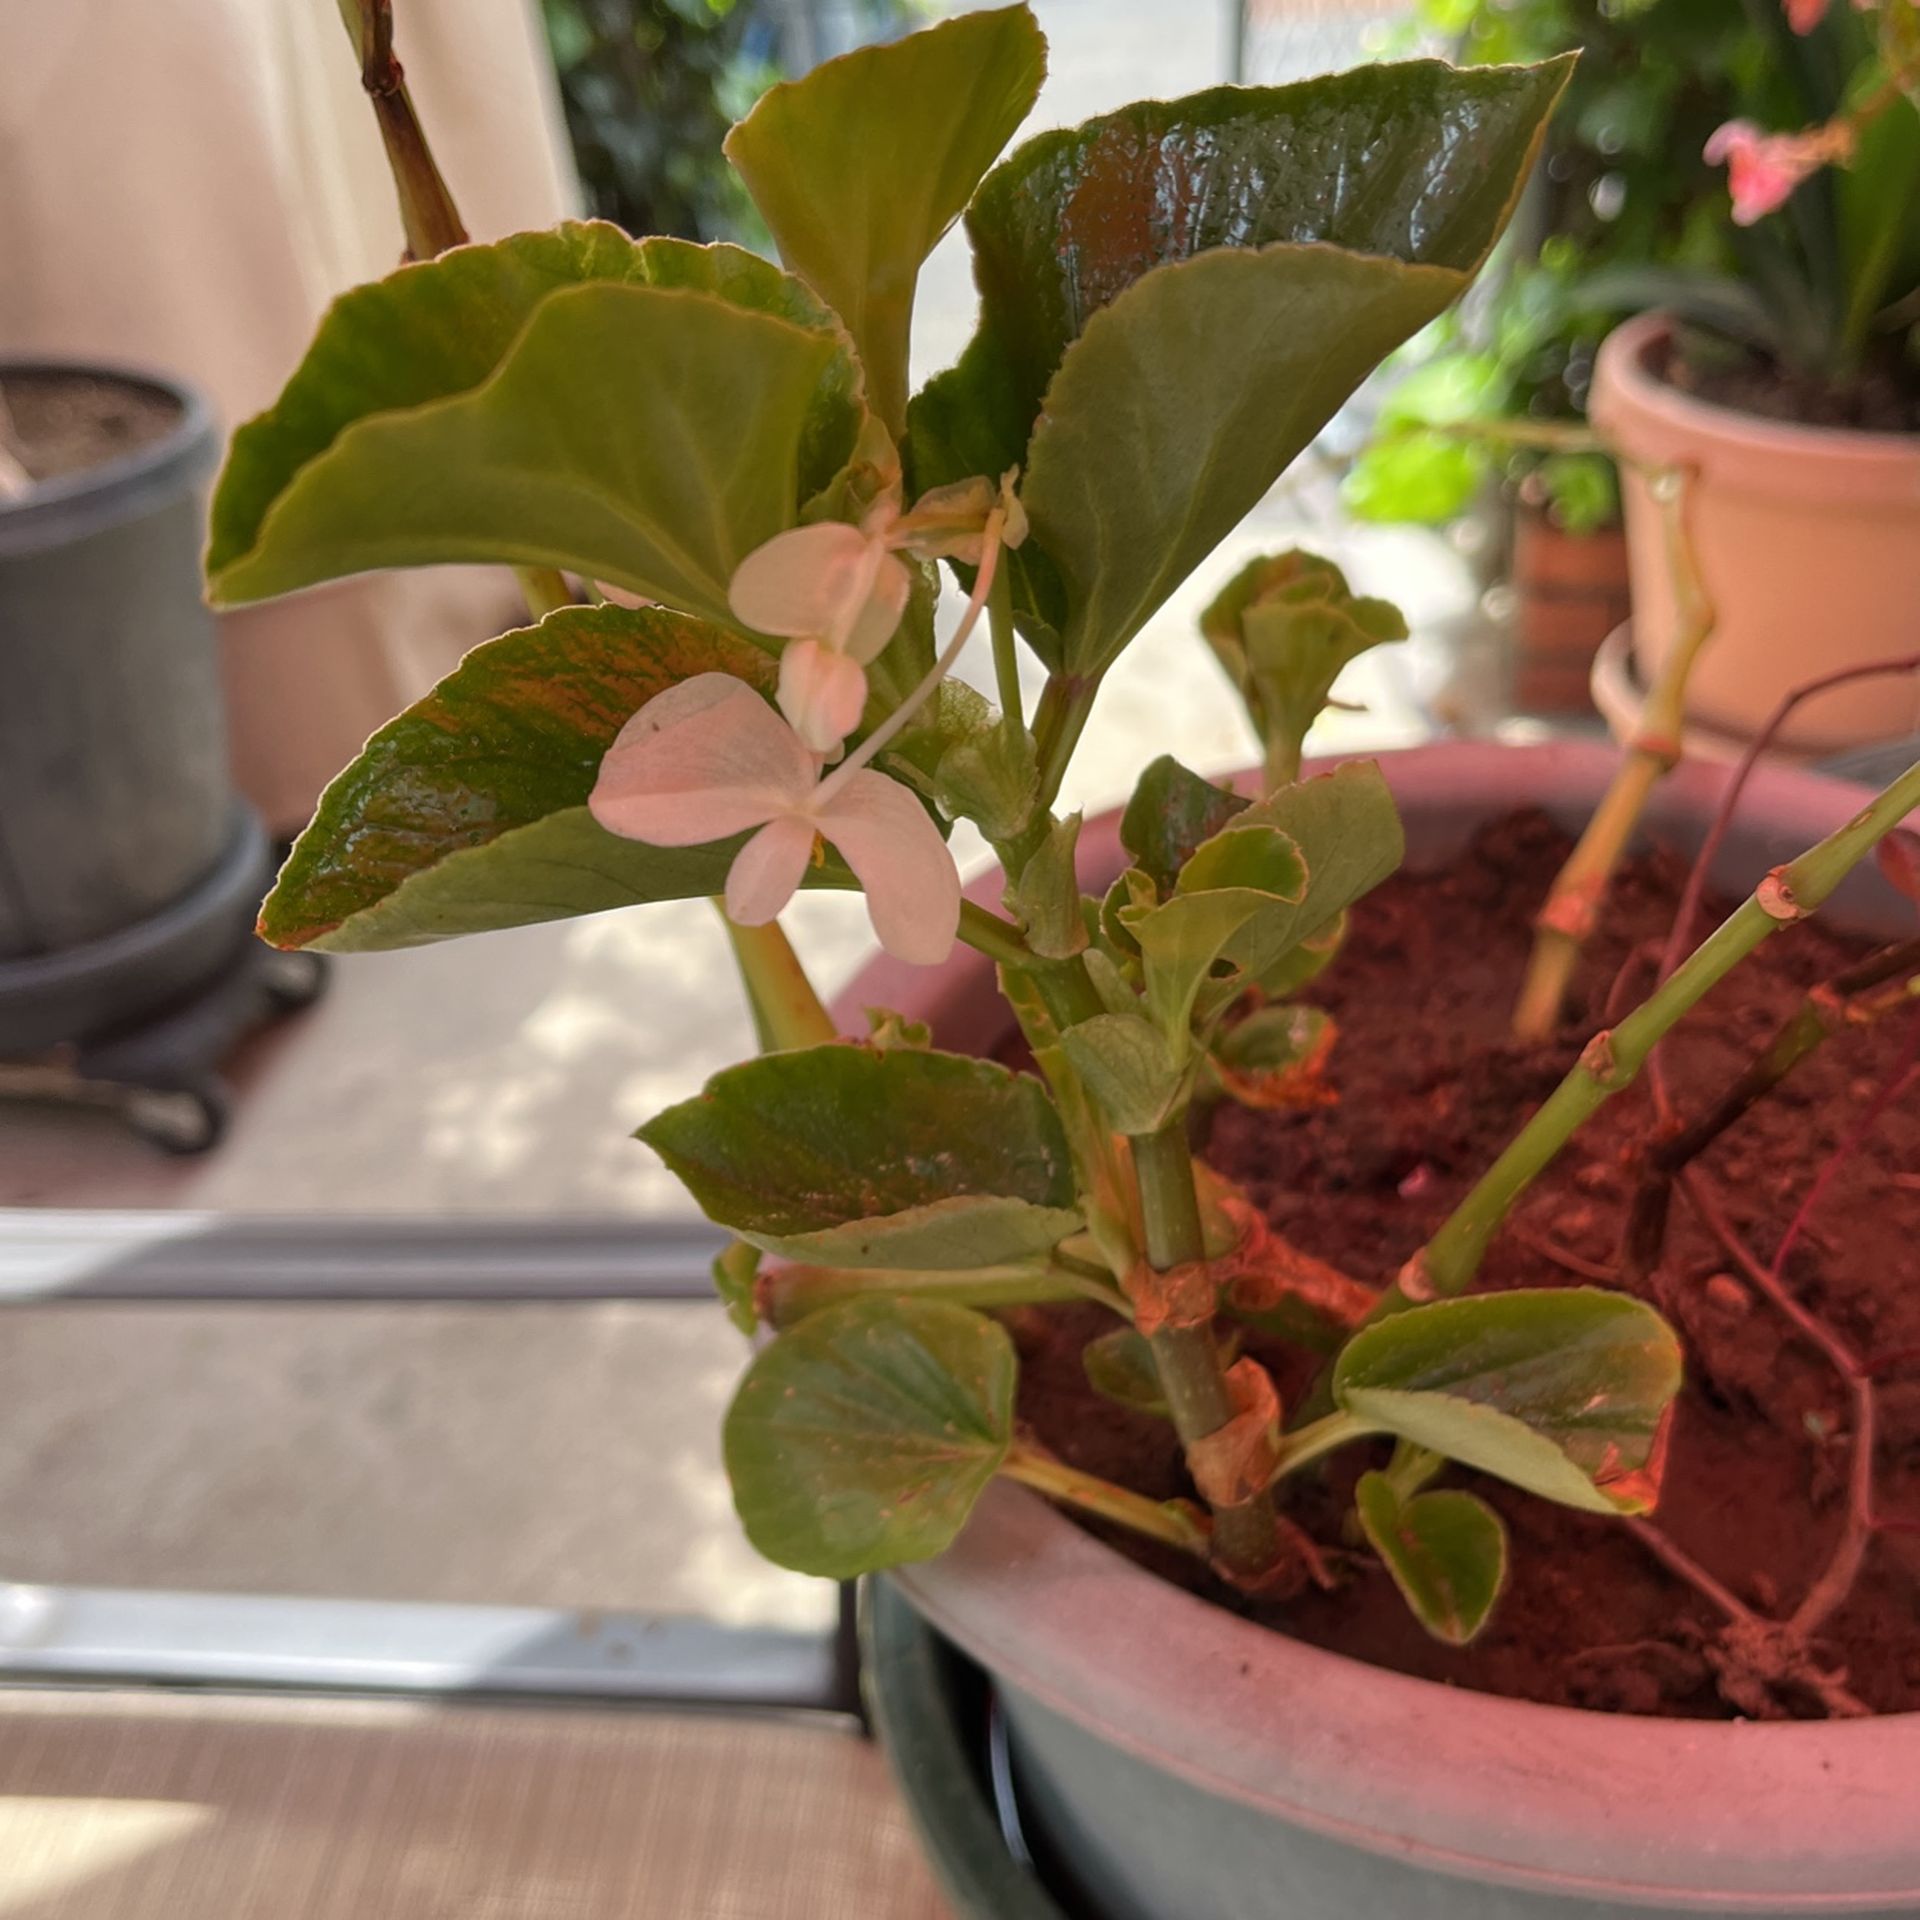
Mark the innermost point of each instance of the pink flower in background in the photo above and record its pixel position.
(1804, 15)
(1764, 168)
(709, 758)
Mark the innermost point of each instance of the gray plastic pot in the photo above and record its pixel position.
(114, 793)
(1189, 1765)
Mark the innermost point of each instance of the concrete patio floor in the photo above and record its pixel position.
(556, 1455)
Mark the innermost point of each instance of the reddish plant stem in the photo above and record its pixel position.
(1846, 999)
(1831, 1587)
(1686, 915)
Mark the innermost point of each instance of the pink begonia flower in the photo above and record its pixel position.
(709, 758)
(1763, 168)
(838, 593)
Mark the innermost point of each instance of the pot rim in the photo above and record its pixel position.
(77, 504)
(1654, 421)
(1794, 1817)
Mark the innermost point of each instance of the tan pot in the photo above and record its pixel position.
(1807, 538)
(1570, 591)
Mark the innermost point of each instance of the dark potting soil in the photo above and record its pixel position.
(1430, 1087)
(59, 423)
(1883, 398)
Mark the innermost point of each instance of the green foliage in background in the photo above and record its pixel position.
(650, 89)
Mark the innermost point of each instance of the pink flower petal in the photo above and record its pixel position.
(706, 759)
(767, 871)
(1804, 15)
(808, 580)
(877, 619)
(822, 693)
(912, 886)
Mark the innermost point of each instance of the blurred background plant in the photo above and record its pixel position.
(1624, 188)
(651, 87)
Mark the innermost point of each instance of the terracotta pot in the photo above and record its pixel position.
(1808, 539)
(1189, 1765)
(1570, 592)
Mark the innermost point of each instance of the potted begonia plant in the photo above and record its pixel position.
(1174, 298)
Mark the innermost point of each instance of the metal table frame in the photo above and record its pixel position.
(122, 1636)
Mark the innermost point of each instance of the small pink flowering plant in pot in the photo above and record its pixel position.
(1174, 299)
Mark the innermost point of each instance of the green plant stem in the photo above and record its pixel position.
(1281, 761)
(1451, 1258)
(1846, 1000)
(1158, 1520)
(1058, 722)
(787, 1013)
(544, 589)
(998, 938)
(1573, 905)
(1246, 1538)
(1006, 650)
(1304, 1445)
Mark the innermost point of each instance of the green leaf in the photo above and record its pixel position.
(1418, 477)
(648, 436)
(1284, 627)
(855, 1158)
(1120, 1367)
(441, 327)
(1342, 824)
(1181, 294)
(1447, 1553)
(736, 1269)
(1234, 881)
(1275, 1059)
(863, 164)
(1046, 897)
(1566, 1392)
(989, 775)
(1170, 812)
(862, 1436)
(1348, 829)
(468, 812)
(1127, 1066)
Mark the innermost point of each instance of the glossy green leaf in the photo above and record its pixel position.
(850, 1157)
(1447, 1553)
(468, 812)
(861, 166)
(1119, 1366)
(648, 436)
(1170, 812)
(1566, 1392)
(1126, 1064)
(861, 1437)
(1181, 293)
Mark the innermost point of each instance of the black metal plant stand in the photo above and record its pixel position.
(141, 1021)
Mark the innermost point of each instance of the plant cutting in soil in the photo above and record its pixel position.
(1174, 299)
